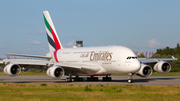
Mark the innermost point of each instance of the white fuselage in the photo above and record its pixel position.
(111, 59)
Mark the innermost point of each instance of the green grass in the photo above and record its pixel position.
(39, 92)
(166, 74)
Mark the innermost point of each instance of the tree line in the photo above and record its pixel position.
(167, 53)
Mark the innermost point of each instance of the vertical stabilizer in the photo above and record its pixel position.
(53, 40)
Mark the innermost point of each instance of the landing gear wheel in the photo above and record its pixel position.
(79, 79)
(68, 80)
(74, 79)
(92, 79)
(130, 80)
(107, 78)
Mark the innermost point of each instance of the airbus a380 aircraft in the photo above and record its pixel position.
(85, 61)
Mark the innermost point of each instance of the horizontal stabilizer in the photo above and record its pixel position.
(34, 56)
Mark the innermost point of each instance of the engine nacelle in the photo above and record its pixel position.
(162, 67)
(12, 69)
(55, 72)
(145, 71)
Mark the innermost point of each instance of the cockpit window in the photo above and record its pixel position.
(131, 57)
(128, 57)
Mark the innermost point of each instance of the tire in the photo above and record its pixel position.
(130, 81)
(81, 79)
(110, 79)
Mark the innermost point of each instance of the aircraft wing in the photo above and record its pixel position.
(154, 60)
(29, 62)
(34, 56)
(24, 62)
(44, 64)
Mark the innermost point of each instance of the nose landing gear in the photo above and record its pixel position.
(130, 79)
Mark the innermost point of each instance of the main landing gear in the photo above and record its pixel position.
(107, 78)
(71, 79)
(130, 79)
(77, 78)
(92, 78)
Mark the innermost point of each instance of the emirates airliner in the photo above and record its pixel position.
(86, 61)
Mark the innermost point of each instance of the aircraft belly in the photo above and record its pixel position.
(110, 67)
(82, 68)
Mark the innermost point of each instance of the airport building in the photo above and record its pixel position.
(79, 43)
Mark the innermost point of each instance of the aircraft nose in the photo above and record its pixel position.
(136, 66)
(132, 66)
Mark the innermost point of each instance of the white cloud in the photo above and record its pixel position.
(39, 32)
(42, 32)
(153, 43)
(35, 42)
(69, 44)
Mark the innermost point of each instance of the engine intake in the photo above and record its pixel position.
(145, 71)
(162, 67)
(12, 69)
(55, 72)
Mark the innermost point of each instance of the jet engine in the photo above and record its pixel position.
(55, 72)
(162, 67)
(145, 71)
(12, 69)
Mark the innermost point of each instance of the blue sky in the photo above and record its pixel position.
(141, 25)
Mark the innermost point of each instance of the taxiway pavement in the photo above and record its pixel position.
(116, 80)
